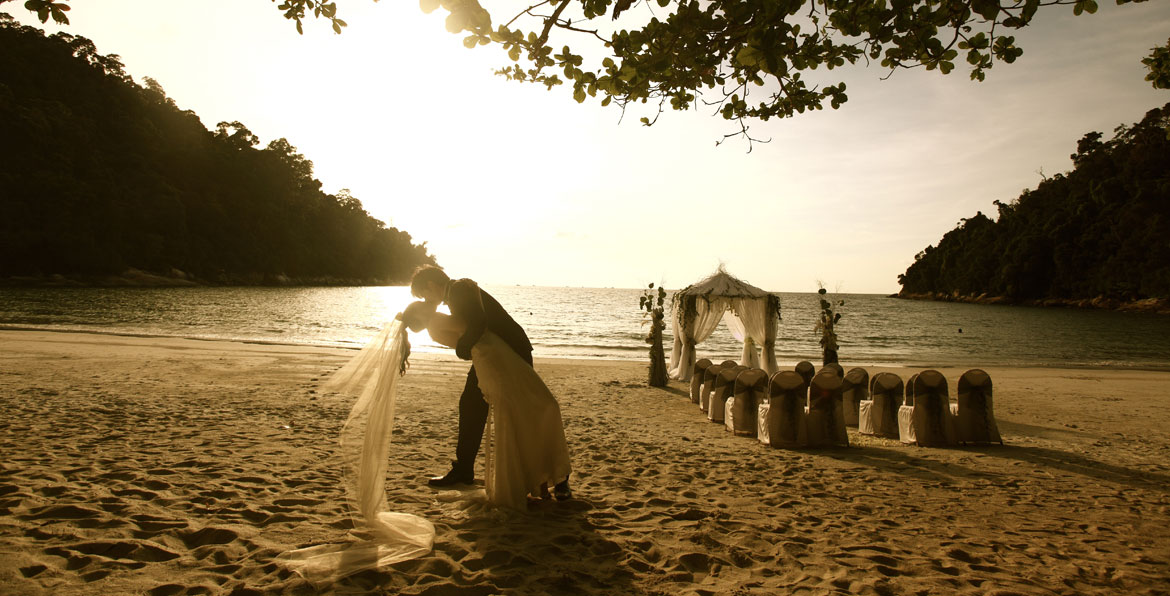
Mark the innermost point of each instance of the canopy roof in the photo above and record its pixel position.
(722, 283)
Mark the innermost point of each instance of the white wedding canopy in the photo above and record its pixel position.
(698, 308)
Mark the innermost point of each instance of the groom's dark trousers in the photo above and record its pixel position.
(482, 313)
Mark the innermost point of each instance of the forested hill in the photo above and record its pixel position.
(1101, 231)
(100, 177)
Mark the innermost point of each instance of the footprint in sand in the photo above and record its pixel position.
(139, 551)
(208, 535)
(32, 570)
(144, 495)
(62, 512)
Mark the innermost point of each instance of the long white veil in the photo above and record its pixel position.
(372, 376)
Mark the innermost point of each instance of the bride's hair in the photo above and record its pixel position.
(417, 315)
(415, 318)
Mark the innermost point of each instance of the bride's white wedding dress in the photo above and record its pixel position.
(525, 438)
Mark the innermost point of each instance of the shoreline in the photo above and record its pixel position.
(443, 353)
(1160, 306)
(164, 465)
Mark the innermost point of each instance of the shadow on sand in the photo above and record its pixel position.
(1076, 463)
(908, 463)
(552, 548)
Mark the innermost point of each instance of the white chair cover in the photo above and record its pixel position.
(781, 418)
(740, 413)
(697, 379)
(906, 432)
(724, 389)
(826, 420)
(865, 418)
(933, 424)
(976, 415)
(854, 390)
(879, 415)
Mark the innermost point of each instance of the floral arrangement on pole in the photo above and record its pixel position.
(651, 303)
(827, 327)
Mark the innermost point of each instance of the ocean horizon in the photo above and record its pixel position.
(606, 323)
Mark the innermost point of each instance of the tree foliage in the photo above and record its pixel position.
(100, 175)
(1158, 63)
(744, 60)
(1099, 230)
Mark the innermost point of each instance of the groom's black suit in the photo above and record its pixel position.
(482, 313)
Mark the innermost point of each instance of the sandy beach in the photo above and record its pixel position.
(136, 465)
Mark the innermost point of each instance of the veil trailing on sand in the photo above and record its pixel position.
(371, 376)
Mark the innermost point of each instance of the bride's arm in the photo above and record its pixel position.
(446, 329)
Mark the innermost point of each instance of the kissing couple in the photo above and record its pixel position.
(525, 450)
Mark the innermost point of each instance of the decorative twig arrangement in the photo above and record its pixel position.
(652, 303)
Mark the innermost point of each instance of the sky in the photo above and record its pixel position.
(509, 183)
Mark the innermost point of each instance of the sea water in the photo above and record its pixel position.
(606, 323)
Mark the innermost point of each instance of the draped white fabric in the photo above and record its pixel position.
(759, 323)
(754, 322)
(372, 377)
(751, 351)
(708, 313)
(736, 326)
(771, 329)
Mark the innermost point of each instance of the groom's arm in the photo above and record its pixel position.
(466, 304)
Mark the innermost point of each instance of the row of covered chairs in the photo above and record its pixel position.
(789, 408)
(928, 418)
(802, 407)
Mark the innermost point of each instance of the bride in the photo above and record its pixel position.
(525, 440)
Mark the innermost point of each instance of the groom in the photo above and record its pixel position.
(481, 312)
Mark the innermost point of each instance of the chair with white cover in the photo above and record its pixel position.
(697, 378)
(781, 415)
(724, 388)
(976, 417)
(708, 387)
(825, 421)
(906, 413)
(837, 369)
(879, 414)
(928, 422)
(854, 389)
(740, 411)
(806, 370)
(909, 401)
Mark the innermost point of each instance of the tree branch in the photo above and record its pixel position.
(550, 21)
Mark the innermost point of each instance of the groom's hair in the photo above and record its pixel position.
(426, 274)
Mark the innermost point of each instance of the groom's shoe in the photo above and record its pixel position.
(562, 492)
(455, 476)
